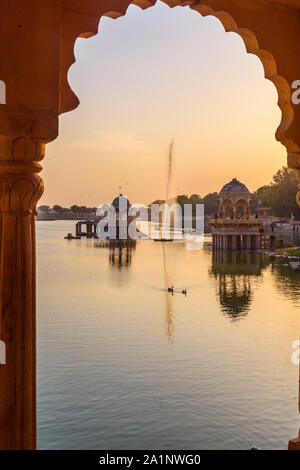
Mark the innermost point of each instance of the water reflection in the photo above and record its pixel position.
(169, 300)
(287, 281)
(120, 252)
(112, 368)
(234, 273)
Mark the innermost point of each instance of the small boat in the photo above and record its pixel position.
(70, 236)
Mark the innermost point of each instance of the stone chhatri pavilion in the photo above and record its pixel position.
(234, 227)
(121, 204)
(37, 39)
(236, 197)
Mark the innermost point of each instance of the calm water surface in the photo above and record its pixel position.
(124, 365)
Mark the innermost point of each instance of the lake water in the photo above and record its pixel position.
(122, 364)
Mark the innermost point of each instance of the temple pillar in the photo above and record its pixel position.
(243, 242)
(272, 242)
(238, 242)
(89, 230)
(225, 242)
(234, 242)
(257, 242)
(20, 189)
(248, 242)
(31, 37)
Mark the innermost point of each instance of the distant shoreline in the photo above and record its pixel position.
(53, 217)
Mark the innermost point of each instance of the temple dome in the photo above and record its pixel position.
(233, 188)
(236, 198)
(121, 202)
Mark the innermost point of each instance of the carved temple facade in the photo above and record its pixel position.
(37, 40)
(121, 218)
(235, 227)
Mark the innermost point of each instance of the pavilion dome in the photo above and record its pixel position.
(235, 191)
(121, 202)
(235, 187)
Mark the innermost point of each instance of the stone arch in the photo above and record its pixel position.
(225, 207)
(244, 205)
(229, 212)
(118, 8)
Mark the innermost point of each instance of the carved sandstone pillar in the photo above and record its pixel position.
(20, 189)
(233, 243)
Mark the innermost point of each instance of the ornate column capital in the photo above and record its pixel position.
(20, 194)
(20, 185)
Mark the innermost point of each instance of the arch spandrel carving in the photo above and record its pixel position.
(269, 29)
(255, 22)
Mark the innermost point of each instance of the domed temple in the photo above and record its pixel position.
(235, 200)
(121, 205)
(234, 226)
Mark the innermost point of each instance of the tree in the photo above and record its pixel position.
(44, 208)
(195, 199)
(157, 201)
(261, 195)
(58, 209)
(75, 209)
(210, 203)
(183, 199)
(282, 194)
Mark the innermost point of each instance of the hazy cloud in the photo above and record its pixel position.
(111, 141)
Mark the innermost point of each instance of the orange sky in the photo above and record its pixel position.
(150, 76)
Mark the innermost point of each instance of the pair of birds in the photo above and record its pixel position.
(171, 289)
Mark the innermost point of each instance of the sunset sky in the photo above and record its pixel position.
(148, 77)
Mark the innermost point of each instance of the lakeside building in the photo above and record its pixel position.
(235, 226)
(121, 205)
(264, 212)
